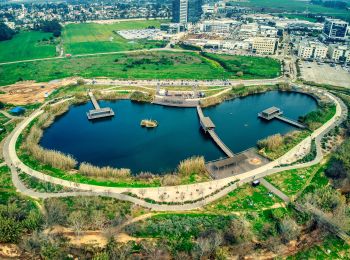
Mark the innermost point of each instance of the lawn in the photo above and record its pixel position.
(28, 45)
(141, 65)
(93, 38)
(292, 181)
(244, 198)
(249, 67)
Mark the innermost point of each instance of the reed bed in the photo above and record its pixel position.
(50, 157)
(271, 143)
(90, 170)
(171, 180)
(195, 164)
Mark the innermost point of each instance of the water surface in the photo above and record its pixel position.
(121, 142)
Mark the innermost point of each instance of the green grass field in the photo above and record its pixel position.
(94, 38)
(244, 198)
(27, 45)
(142, 65)
(295, 6)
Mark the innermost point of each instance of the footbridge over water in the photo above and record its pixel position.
(98, 112)
(208, 127)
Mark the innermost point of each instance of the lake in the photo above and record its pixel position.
(121, 142)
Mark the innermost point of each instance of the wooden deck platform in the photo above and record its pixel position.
(98, 112)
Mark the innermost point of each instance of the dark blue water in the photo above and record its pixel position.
(121, 142)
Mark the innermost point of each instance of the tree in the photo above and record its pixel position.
(50, 26)
(238, 231)
(56, 211)
(289, 229)
(6, 33)
(77, 221)
(10, 230)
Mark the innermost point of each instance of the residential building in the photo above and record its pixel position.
(339, 53)
(312, 50)
(335, 29)
(180, 11)
(264, 45)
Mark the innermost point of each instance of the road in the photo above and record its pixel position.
(211, 190)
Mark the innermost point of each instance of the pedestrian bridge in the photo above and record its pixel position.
(208, 127)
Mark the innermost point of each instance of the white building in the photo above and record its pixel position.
(218, 26)
(249, 30)
(337, 53)
(264, 45)
(312, 50)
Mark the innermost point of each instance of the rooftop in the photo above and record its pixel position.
(231, 160)
(271, 110)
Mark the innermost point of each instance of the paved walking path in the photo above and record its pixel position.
(212, 190)
(274, 190)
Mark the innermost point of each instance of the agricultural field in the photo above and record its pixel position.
(140, 65)
(295, 6)
(28, 45)
(94, 38)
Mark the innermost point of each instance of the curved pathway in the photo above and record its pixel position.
(173, 194)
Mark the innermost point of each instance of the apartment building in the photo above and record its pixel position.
(264, 45)
(339, 53)
(312, 50)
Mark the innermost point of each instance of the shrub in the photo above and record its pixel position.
(195, 164)
(90, 170)
(170, 180)
(141, 97)
(271, 143)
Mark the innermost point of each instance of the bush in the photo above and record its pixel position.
(271, 143)
(6, 33)
(170, 180)
(195, 164)
(141, 97)
(106, 172)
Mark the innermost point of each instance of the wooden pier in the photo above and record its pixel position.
(275, 112)
(208, 127)
(98, 112)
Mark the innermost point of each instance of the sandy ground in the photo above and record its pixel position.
(9, 251)
(325, 74)
(90, 237)
(28, 92)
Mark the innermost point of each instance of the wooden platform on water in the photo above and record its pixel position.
(98, 112)
(276, 113)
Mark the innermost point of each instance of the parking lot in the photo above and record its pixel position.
(325, 74)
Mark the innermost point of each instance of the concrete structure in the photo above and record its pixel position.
(264, 45)
(335, 29)
(180, 11)
(312, 50)
(187, 11)
(339, 53)
(195, 11)
(220, 26)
